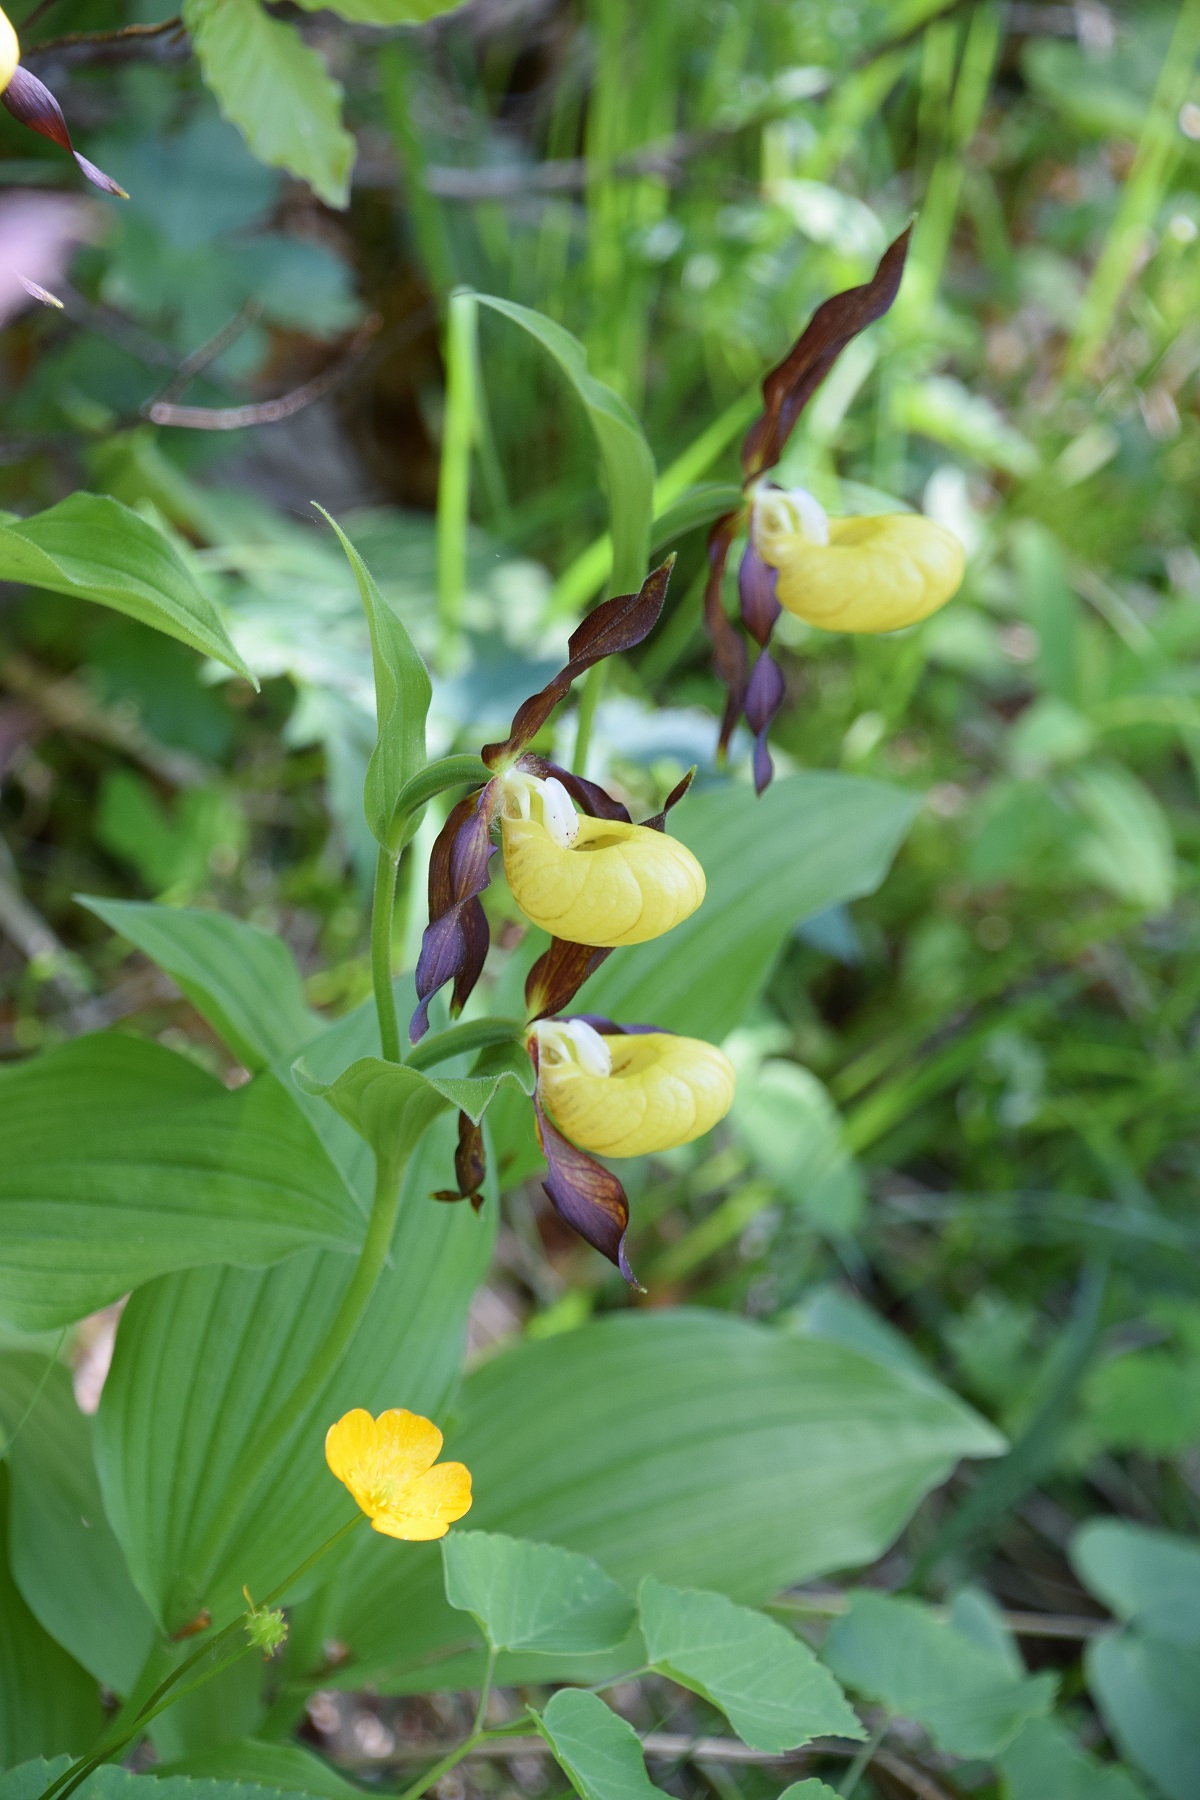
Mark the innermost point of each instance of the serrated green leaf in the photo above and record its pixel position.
(527, 1596)
(627, 458)
(65, 1560)
(120, 1160)
(276, 91)
(287, 1768)
(599, 1751)
(96, 549)
(768, 1684)
(812, 1789)
(242, 980)
(402, 696)
(1045, 1763)
(901, 1654)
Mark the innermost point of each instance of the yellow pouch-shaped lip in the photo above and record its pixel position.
(663, 1091)
(614, 884)
(874, 574)
(10, 51)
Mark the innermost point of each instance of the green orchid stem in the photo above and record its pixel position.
(589, 699)
(389, 1174)
(458, 1040)
(382, 913)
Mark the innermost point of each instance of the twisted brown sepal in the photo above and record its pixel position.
(619, 624)
(792, 383)
(470, 1165)
(455, 944)
(559, 973)
(31, 103)
(585, 1195)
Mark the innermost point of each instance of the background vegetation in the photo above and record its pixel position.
(966, 1124)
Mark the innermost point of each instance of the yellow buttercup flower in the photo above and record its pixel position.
(592, 881)
(10, 51)
(856, 574)
(388, 1465)
(628, 1095)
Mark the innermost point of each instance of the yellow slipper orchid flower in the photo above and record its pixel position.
(10, 51)
(388, 1465)
(592, 881)
(630, 1094)
(855, 574)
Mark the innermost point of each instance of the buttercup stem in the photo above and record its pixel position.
(862, 1761)
(381, 953)
(485, 1692)
(162, 1697)
(376, 1244)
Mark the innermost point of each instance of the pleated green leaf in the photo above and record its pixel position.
(120, 1160)
(810, 841)
(242, 980)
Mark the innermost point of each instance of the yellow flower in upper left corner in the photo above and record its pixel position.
(388, 1465)
(10, 51)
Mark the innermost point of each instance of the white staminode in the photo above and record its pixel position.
(574, 1040)
(525, 795)
(788, 512)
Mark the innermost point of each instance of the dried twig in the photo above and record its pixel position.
(830, 1603)
(167, 38)
(207, 353)
(267, 412)
(117, 327)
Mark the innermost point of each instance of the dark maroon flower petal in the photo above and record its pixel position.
(791, 384)
(470, 1165)
(658, 822)
(764, 696)
(558, 974)
(756, 591)
(587, 795)
(729, 646)
(585, 1195)
(31, 103)
(616, 625)
(455, 944)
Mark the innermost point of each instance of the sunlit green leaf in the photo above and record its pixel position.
(598, 1749)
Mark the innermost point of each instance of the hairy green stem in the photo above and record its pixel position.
(381, 953)
(349, 1316)
(454, 476)
(862, 1761)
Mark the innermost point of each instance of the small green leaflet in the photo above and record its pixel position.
(390, 1104)
(901, 1654)
(402, 696)
(768, 1684)
(809, 1790)
(276, 91)
(527, 1596)
(599, 1751)
(96, 549)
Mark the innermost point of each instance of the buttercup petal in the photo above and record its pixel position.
(429, 1506)
(380, 1459)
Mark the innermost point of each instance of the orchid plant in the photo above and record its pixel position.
(334, 1142)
